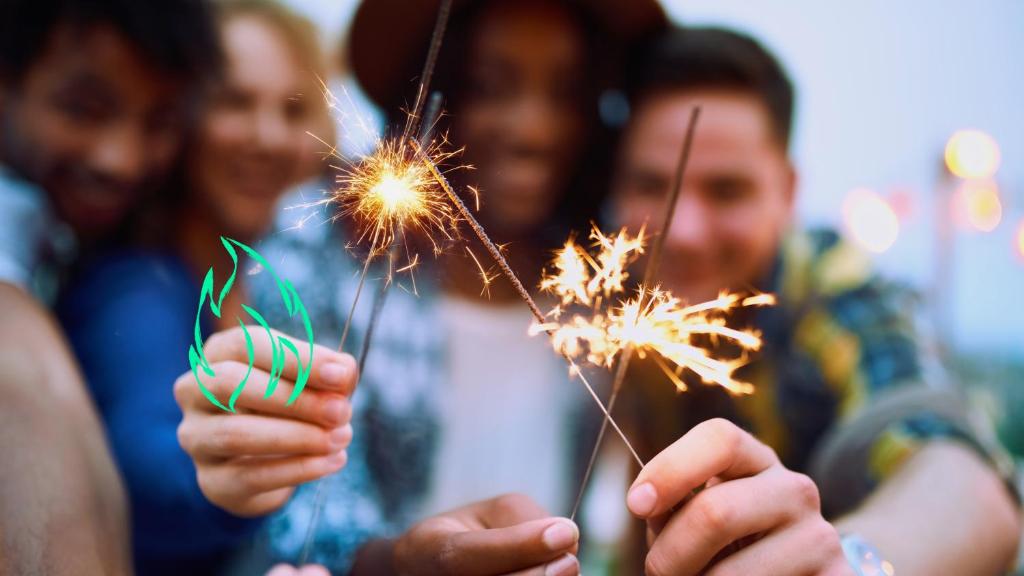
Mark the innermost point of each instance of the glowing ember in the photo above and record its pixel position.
(389, 191)
(653, 322)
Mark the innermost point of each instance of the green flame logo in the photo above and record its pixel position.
(281, 346)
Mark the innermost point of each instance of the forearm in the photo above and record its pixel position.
(61, 501)
(945, 511)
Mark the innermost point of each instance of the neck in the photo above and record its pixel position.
(462, 276)
(199, 244)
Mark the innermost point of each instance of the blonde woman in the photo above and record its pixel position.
(131, 319)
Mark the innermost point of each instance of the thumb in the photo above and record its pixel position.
(502, 550)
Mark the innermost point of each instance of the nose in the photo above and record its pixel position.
(273, 132)
(691, 225)
(119, 153)
(534, 124)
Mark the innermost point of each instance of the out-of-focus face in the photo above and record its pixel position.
(252, 138)
(737, 194)
(93, 124)
(520, 118)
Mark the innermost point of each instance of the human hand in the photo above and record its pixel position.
(250, 462)
(509, 534)
(753, 516)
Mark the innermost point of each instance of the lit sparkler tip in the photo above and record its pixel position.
(652, 323)
(759, 300)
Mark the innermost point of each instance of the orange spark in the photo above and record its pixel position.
(652, 322)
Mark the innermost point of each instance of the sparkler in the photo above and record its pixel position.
(650, 273)
(386, 194)
(653, 323)
(507, 271)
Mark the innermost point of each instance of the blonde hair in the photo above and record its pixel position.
(302, 37)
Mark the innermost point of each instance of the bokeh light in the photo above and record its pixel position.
(972, 154)
(976, 204)
(1019, 239)
(870, 220)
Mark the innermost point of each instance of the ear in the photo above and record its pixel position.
(792, 180)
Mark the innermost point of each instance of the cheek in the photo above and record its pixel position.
(749, 237)
(572, 136)
(162, 150)
(476, 125)
(223, 132)
(53, 136)
(635, 213)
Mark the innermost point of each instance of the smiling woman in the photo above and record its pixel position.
(132, 316)
(253, 142)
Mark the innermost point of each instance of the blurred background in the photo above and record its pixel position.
(882, 89)
(909, 137)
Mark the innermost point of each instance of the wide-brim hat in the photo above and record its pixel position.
(388, 39)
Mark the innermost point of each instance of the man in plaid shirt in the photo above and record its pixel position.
(844, 391)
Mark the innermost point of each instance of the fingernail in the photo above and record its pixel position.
(333, 373)
(340, 437)
(565, 566)
(560, 535)
(642, 499)
(337, 459)
(333, 409)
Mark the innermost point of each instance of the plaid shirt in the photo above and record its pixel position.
(840, 342)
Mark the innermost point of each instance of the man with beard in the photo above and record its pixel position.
(842, 387)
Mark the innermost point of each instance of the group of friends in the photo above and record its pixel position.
(134, 135)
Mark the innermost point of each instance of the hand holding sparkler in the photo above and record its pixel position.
(249, 463)
(505, 535)
(753, 517)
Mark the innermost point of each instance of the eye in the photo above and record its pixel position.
(295, 110)
(646, 185)
(232, 98)
(729, 189)
(84, 107)
(489, 83)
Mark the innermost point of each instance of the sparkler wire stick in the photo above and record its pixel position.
(650, 274)
(433, 110)
(378, 305)
(428, 67)
(355, 300)
(502, 262)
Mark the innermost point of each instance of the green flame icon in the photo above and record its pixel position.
(281, 346)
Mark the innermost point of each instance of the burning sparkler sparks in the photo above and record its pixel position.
(651, 323)
(387, 192)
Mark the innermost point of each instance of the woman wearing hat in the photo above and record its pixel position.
(458, 405)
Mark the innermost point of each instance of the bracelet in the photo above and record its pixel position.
(864, 558)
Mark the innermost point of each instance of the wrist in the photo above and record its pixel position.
(864, 557)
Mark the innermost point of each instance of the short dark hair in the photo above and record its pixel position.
(178, 37)
(689, 58)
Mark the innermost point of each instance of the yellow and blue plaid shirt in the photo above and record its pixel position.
(839, 338)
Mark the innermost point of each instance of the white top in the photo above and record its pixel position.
(505, 411)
